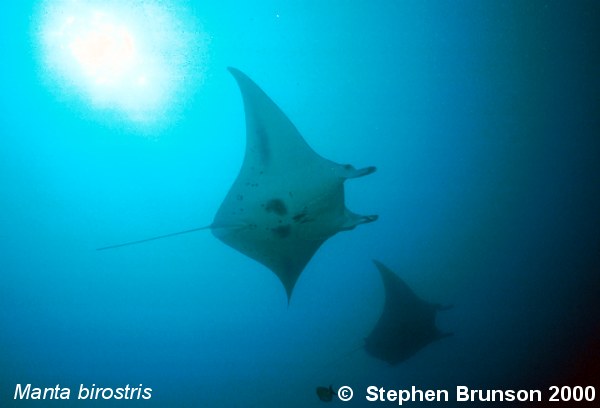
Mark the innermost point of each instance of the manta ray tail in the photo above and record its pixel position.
(141, 241)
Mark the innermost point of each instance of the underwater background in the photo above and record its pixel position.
(481, 117)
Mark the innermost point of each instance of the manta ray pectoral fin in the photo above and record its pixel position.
(141, 241)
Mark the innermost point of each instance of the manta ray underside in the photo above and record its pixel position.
(286, 200)
(407, 323)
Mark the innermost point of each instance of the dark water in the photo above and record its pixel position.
(482, 118)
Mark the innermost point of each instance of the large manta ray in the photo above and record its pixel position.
(286, 200)
(407, 323)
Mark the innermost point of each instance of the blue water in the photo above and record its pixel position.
(482, 118)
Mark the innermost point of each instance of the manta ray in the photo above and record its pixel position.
(407, 323)
(287, 200)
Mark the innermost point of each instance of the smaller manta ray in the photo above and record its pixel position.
(407, 323)
(286, 200)
(325, 394)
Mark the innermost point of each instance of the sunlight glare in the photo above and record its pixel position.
(135, 57)
(106, 52)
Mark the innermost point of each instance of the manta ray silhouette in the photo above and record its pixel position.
(286, 200)
(407, 323)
